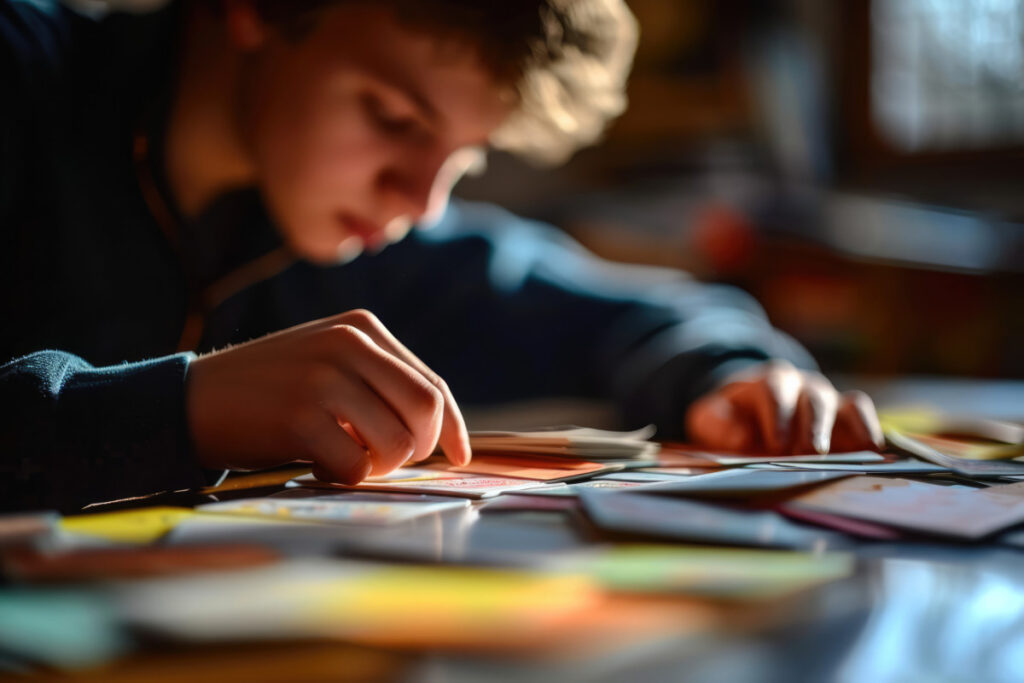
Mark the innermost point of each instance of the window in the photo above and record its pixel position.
(948, 75)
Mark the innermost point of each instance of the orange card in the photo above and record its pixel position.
(529, 467)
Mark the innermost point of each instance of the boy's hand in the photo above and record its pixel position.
(776, 408)
(319, 392)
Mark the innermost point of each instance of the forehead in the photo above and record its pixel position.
(444, 74)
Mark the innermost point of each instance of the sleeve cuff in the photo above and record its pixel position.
(135, 414)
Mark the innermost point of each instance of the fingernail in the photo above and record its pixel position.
(822, 444)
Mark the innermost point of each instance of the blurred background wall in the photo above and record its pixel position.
(856, 165)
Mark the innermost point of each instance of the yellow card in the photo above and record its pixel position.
(127, 526)
(432, 593)
(959, 436)
(442, 606)
(734, 573)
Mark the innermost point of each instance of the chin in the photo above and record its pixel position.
(325, 251)
(348, 250)
(338, 255)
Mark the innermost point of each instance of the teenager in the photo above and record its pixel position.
(221, 178)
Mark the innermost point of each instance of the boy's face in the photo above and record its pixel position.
(360, 127)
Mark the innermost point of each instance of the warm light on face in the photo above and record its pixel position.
(468, 160)
(361, 129)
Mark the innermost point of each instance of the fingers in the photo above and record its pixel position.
(293, 394)
(335, 455)
(780, 409)
(453, 437)
(721, 423)
(865, 409)
(795, 410)
(783, 384)
(771, 398)
(823, 400)
(414, 401)
(857, 426)
(352, 402)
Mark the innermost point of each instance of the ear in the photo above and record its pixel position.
(245, 27)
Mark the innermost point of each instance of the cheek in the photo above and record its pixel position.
(313, 162)
(311, 155)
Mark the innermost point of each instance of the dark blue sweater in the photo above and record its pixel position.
(95, 296)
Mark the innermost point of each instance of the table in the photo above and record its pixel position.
(920, 610)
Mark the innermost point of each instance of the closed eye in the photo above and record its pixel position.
(389, 119)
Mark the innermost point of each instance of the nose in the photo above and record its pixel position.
(407, 185)
(459, 163)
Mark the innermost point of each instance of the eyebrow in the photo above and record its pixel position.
(398, 82)
(422, 102)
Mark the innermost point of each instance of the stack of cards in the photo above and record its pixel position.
(569, 442)
(924, 433)
(426, 480)
(338, 510)
(535, 467)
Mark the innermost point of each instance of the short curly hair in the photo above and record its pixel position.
(567, 59)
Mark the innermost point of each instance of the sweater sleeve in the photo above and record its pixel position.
(70, 433)
(77, 434)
